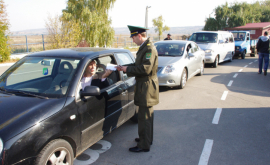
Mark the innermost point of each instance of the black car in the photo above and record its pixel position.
(46, 117)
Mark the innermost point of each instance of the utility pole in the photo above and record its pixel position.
(146, 18)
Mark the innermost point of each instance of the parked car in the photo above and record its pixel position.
(244, 44)
(46, 117)
(218, 45)
(178, 61)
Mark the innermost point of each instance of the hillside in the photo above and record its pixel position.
(122, 30)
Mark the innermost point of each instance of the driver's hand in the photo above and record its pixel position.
(107, 73)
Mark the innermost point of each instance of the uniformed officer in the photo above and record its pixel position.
(147, 88)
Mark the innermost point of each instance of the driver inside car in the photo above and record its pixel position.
(89, 79)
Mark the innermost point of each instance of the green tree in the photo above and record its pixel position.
(62, 34)
(158, 23)
(238, 14)
(4, 27)
(92, 16)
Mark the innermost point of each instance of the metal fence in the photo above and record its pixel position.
(35, 43)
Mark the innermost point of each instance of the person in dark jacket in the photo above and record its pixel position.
(263, 50)
(168, 37)
(147, 87)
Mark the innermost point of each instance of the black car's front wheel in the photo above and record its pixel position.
(57, 152)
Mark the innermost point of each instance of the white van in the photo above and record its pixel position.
(218, 45)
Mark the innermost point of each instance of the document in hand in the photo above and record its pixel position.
(111, 67)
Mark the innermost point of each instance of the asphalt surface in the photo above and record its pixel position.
(220, 118)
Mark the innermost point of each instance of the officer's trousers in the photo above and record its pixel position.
(145, 127)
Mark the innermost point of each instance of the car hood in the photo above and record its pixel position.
(239, 43)
(164, 61)
(18, 113)
(206, 46)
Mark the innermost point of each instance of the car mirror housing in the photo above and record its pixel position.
(90, 91)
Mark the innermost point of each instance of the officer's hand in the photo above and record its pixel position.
(124, 68)
(119, 68)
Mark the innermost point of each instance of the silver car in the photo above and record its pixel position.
(178, 61)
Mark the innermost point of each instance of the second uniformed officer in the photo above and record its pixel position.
(147, 88)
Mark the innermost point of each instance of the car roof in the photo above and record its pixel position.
(77, 52)
(213, 32)
(175, 41)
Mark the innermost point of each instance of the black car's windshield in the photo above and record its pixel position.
(239, 36)
(39, 77)
(170, 49)
(204, 37)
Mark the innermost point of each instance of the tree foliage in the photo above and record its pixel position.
(238, 14)
(158, 23)
(92, 16)
(62, 34)
(4, 27)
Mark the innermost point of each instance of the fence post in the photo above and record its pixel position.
(43, 41)
(26, 44)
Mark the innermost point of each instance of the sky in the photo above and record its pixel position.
(32, 14)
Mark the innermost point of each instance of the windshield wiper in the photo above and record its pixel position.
(29, 94)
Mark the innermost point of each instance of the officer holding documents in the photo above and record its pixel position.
(147, 87)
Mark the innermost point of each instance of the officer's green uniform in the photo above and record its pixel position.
(147, 88)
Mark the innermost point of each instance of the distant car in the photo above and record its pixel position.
(47, 119)
(178, 61)
(218, 45)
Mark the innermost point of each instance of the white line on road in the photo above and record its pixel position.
(240, 70)
(255, 60)
(245, 66)
(206, 152)
(235, 75)
(230, 83)
(225, 93)
(251, 63)
(217, 116)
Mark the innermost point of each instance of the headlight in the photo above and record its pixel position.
(169, 69)
(238, 47)
(1, 146)
(209, 51)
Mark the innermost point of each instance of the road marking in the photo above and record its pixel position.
(251, 63)
(255, 60)
(230, 83)
(217, 116)
(245, 66)
(90, 155)
(225, 93)
(235, 75)
(206, 152)
(240, 70)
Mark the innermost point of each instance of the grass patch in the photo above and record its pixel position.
(10, 61)
(132, 49)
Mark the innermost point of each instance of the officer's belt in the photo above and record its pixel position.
(144, 78)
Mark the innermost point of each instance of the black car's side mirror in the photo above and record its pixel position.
(90, 91)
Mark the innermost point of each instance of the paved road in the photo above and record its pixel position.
(220, 118)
